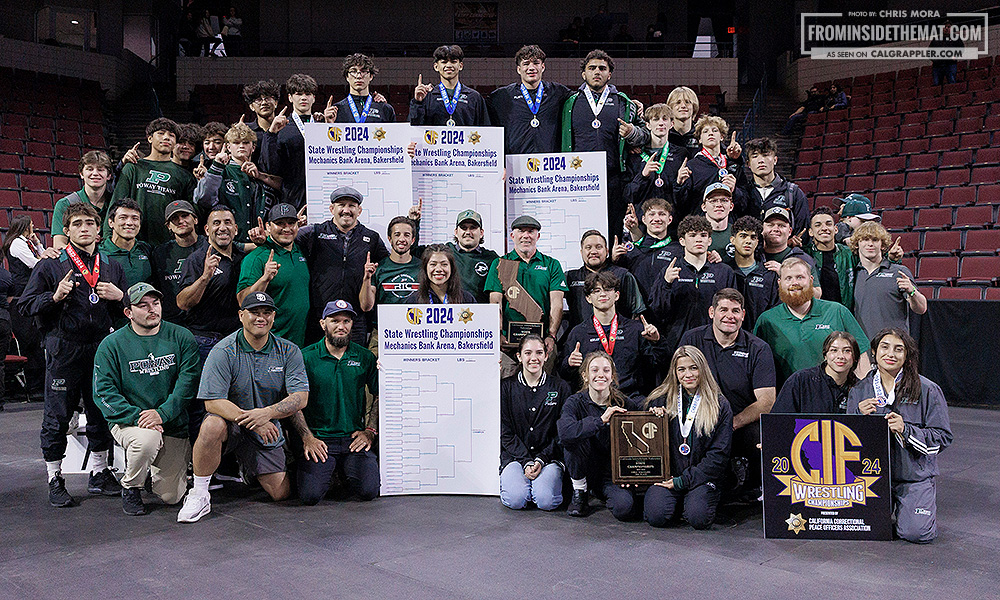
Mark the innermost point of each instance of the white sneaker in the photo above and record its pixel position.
(195, 507)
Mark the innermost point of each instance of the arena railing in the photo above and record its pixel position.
(496, 50)
(751, 122)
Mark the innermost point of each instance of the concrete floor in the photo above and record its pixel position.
(471, 547)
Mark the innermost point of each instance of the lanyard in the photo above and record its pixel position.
(663, 158)
(363, 116)
(450, 105)
(708, 155)
(533, 105)
(298, 123)
(430, 298)
(596, 106)
(881, 397)
(609, 345)
(688, 421)
(90, 278)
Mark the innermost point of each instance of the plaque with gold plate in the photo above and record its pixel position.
(518, 298)
(640, 453)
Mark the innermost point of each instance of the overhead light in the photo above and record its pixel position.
(75, 22)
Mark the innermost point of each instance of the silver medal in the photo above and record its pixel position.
(723, 173)
(534, 122)
(450, 123)
(684, 449)
(659, 182)
(94, 298)
(596, 124)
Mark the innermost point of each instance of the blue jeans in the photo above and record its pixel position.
(360, 469)
(545, 491)
(946, 73)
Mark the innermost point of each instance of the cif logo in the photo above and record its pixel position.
(334, 133)
(414, 316)
(431, 137)
(158, 177)
(649, 430)
(534, 164)
(834, 438)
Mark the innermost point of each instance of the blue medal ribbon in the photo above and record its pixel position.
(363, 116)
(533, 105)
(450, 105)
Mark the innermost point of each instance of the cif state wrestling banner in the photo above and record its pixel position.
(826, 477)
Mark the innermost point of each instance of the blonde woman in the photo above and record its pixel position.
(701, 431)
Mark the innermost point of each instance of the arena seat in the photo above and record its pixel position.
(933, 218)
(960, 293)
(971, 217)
(979, 270)
(937, 270)
(981, 242)
(941, 243)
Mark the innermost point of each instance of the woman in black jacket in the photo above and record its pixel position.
(701, 431)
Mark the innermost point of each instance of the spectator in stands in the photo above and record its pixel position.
(155, 181)
(123, 246)
(262, 98)
(168, 258)
(768, 188)
(206, 34)
(854, 210)
(449, 103)
(574, 32)
(884, 292)
(23, 251)
(836, 98)
(189, 137)
(95, 171)
(232, 32)
(283, 148)
(598, 117)
(712, 164)
(530, 110)
(74, 316)
(944, 70)
(814, 102)
(233, 181)
(594, 251)
(835, 262)
(187, 35)
(757, 283)
(796, 328)
(659, 161)
(279, 268)
(823, 388)
(361, 105)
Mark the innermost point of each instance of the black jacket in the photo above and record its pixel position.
(647, 259)
(634, 356)
(759, 289)
(688, 196)
(812, 391)
(748, 201)
(580, 420)
(528, 418)
(709, 455)
(683, 304)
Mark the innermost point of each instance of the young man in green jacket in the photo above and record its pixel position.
(835, 262)
(145, 375)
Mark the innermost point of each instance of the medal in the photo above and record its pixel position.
(659, 182)
(721, 163)
(629, 246)
(596, 105)
(363, 116)
(664, 152)
(450, 122)
(881, 398)
(607, 344)
(596, 124)
(684, 449)
(90, 277)
(533, 104)
(450, 105)
(686, 422)
(534, 122)
(94, 298)
(723, 173)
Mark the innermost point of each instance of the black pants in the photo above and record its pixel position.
(29, 342)
(663, 506)
(69, 371)
(745, 440)
(592, 459)
(616, 206)
(360, 469)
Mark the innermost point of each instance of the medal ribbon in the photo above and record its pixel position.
(90, 278)
(360, 118)
(450, 105)
(430, 298)
(880, 395)
(298, 123)
(533, 105)
(609, 345)
(686, 422)
(663, 158)
(596, 106)
(722, 157)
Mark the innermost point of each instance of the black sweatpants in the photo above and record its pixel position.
(69, 372)
(592, 459)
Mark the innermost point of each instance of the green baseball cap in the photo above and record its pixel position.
(469, 215)
(139, 290)
(856, 205)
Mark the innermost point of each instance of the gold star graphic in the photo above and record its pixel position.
(380, 134)
(576, 163)
(475, 138)
(465, 316)
(796, 523)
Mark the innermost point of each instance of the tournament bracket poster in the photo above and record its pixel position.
(456, 169)
(566, 191)
(370, 157)
(826, 477)
(439, 399)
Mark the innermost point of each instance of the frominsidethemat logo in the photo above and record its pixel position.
(894, 35)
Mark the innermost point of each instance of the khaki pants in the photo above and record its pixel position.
(165, 458)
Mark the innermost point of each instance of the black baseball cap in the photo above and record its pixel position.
(282, 211)
(257, 299)
(177, 206)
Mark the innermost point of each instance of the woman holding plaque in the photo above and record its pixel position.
(701, 431)
(530, 404)
(825, 387)
(439, 281)
(585, 435)
(917, 414)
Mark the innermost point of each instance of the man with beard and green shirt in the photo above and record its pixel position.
(155, 181)
(168, 258)
(145, 376)
(472, 258)
(279, 268)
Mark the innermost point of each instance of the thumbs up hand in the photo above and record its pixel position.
(575, 358)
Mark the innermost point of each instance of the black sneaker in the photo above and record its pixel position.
(132, 502)
(104, 483)
(58, 496)
(579, 504)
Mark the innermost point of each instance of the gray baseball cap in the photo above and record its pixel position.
(525, 222)
(177, 206)
(282, 211)
(346, 192)
(140, 290)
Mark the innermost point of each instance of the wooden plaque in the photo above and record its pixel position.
(639, 448)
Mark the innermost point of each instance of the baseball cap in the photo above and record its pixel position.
(856, 205)
(282, 211)
(257, 299)
(346, 192)
(177, 206)
(778, 211)
(715, 187)
(525, 222)
(469, 215)
(137, 291)
(338, 306)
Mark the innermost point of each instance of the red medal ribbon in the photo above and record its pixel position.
(609, 345)
(90, 278)
(722, 157)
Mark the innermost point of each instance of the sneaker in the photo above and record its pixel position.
(579, 504)
(58, 496)
(104, 483)
(195, 507)
(132, 502)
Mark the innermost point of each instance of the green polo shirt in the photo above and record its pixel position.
(394, 282)
(289, 288)
(336, 405)
(539, 276)
(798, 343)
(135, 262)
(81, 196)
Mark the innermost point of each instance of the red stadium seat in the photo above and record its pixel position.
(863, 124)
(834, 139)
(941, 243)
(937, 270)
(37, 217)
(833, 154)
(833, 169)
(927, 290)
(944, 143)
(860, 183)
(973, 217)
(837, 124)
(909, 241)
(806, 171)
(8, 181)
(987, 156)
(933, 218)
(897, 220)
(885, 134)
(922, 198)
(938, 128)
(65, 185)
(906, 105)
(991, 123)
(916, 130)
(987, 194)
(982, 241)
(948, 177)
(830, 185)
(889, 181)
(979, 270)
(10, 162)
(960, 293)
(910, 262)
(920, 179)
(943, 114)
(891, 164)
(859, 151)
(861, 167)
(985, 175)
(931, 102)
(891, 199)
(808, 186)
(974, 110)
(863, 136)
(915, 146)
(37, 183)
(924, 161)
(885, 149)
(41, 200)
(809, 156)
(958, 196)
(38, 164)
(992, 293)
(957, 158)
(41, 135)
(974, 140)
(891, 121)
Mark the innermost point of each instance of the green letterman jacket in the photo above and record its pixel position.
(625, 113)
